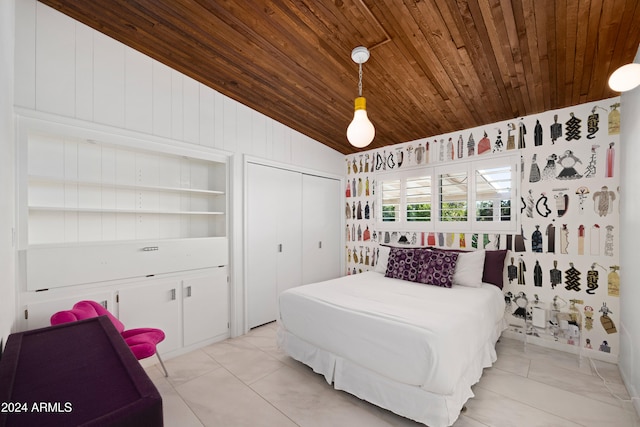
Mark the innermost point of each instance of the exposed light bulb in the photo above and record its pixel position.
(360, 132)
(625, 78)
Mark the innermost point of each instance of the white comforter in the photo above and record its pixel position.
(416, 334)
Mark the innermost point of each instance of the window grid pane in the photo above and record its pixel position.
(391, 200)
(493, 194)
(453, 197)
(418, 199)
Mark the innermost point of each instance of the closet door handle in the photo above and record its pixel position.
(173, 294)
(188, 291)
(280, 247)
(320, 244)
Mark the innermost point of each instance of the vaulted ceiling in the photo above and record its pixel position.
(436, 66)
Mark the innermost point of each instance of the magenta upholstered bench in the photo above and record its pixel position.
(79, 373)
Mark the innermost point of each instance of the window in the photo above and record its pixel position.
(391, 200)
(418, 199)
(477, 195)
(454, 196)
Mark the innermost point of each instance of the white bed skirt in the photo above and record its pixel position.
(434, 410)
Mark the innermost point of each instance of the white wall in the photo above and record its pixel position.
(67, 69)
(7, 184)
(630, 223)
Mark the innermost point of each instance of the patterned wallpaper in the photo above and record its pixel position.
(566, 256)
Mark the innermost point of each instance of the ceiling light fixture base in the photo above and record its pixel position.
(360, 55)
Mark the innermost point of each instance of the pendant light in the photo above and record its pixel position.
(360, 132)
(625, 78)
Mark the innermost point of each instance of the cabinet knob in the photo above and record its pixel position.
(320, 244)
(280, 247)
(173, 294)
(188, 291)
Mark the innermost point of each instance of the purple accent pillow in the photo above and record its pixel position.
(494, 267)
(403, 264)
(437, 268)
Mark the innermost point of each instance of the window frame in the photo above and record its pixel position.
(471, 224)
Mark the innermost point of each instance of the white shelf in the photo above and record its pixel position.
(129, 211)
(79, 190)
(55, 180)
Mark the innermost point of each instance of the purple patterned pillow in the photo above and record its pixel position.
(437, 268)
(403, 264)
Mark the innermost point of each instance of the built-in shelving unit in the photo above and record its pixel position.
(84, 190)
(136, 223)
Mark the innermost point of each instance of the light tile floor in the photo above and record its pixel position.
(247, 381)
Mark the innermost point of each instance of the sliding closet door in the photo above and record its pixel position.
(321, 227)
(273, 239)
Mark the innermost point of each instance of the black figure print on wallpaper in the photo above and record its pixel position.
(460, 146)
(591, 170)
(499, 144)
(537, 275)
(573, 128)
(534, 174)
(582, 193)
(542, 207)
(556, 129)
(572, 278)
(512, 271)
(603, 201)
(536, 240)
(592, 123)
(522, 268)
(549, 171)
(399, 156)
(529, 203)
(521, 302)
(592, 279)
(537, 134)
(562, 202)
(568, 160)
(555, 275)
(551, 238)
(471, 146)
(522, 130)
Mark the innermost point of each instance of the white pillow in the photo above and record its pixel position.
(469, 268)
(383, 259)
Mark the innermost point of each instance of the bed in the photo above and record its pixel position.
(409, 347)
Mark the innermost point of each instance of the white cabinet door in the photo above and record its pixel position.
(321, 225)
(154, 304)
(288, 199)
(262, 241)
(273, 239)
(205, 300)
(38, 314)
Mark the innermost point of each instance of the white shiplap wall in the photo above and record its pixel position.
(69, 70)
(630, 269)
(7, 184)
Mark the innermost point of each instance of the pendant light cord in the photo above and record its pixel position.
(360, 79)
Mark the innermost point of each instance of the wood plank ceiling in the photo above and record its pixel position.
(436, 66)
